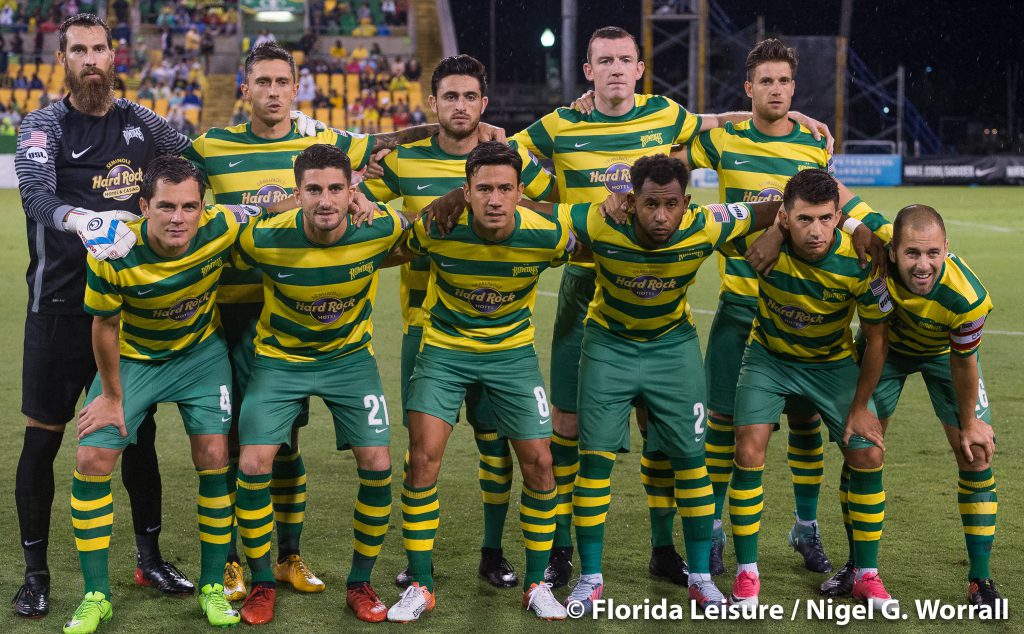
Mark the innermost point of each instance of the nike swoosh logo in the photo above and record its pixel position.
(742, 162)
(141, 293)
(545, 421)
(448, 265)
(153, 529)
(281, 276)
(75, 155)
(986, 172)
(611, 251)
(380, 431)
(420, 188)
(26, 544)
(230, 164)
(579, 145)
(225, 419)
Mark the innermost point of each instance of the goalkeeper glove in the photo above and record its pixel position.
(307, 125)
(104, 233)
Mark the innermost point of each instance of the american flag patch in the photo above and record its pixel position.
(720, 213)
(878, 287)
(33, 138)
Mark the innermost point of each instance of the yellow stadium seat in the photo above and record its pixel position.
(6, 95)
(299, 57)
(387, 124)
(323, 82)
(160, 107)
(20, 95)
(338, 83)
(415, 96)
(351, 87)
(192, 116)
(323, 114)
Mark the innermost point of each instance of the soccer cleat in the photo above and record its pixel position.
(588, 589)
(362, 599)
(33, 598)
(667, 564)
(412, 604)
(983, 592)
(234, 581)
(164, 577)
(93, 610)
(496, 569)
(544, 604)
(258, 607)
(294, 571)
(807, 541)
(841, 583)
(717, 546)
(869, 589)
(404, 579)
(559, 568)
(215, 606)
(703, 592)
(745, 589)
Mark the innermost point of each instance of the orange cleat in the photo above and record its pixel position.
(365, 604)
(258, 607)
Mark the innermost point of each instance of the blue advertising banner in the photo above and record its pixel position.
(883, 170)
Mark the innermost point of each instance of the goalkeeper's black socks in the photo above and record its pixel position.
(140, 473)
(33, 493)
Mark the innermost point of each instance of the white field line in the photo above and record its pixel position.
(980, 225)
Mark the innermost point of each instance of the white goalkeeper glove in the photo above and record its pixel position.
(104, 233)
(307, 125)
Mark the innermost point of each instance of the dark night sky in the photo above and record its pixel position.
(967, 48)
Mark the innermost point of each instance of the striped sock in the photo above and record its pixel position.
(255, 515)
(844, 504)
(976, 495)
(288, 492)
(807, 466)
(92, 516)
(421, 513)
(232, 478)
(565, 460)
(495, 475)
(746, 502)
(657, 478)
(695, 501)
(719, 449)
(216, 515)
(537, 519)
(866, 501)
(369, 521)
(591, 497)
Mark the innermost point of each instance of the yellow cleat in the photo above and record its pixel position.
(234, 582)
(294, 571)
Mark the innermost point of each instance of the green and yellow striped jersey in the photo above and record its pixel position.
(593, 153)
(419, 173)
(641, 293)
(804, 308)
(167, 305)
(949, 318)
(317, 299)
(481, 294)
(244, 169)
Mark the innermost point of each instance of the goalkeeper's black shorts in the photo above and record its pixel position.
(58, 366)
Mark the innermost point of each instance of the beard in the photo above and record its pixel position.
(91, 96)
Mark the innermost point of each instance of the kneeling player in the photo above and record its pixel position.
(160, 298)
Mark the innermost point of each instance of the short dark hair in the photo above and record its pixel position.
(459, 65)
(611, 33)
(86, 20)
(916, 216)
(267, 51)
(661, 168)
(770, 50)
(171, 169)
(321, 156)
(493, 153)
(813, 186)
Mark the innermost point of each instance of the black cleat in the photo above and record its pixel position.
(164, 577)
(717, 546)
(33, 598)
(841, 583)
(559, 568)
(667, 564)
(983, 592)
(404, 579)
(496, 569)
(808, 544)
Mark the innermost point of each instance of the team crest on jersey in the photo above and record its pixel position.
(365, 268)
(654, 137)
(615, 178)
(183, 309)
(793, 316)
(266, 196)
(838, 295)
(326, 309)
(485, 300)
(121, 181)
(645, 285)
(525, 269)
(132, 132)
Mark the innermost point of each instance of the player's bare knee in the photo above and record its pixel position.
(751, 445)
(209, 451)
(535, 464)
(59, 428)
(565, 423)
(423, 468)
(95, 461)
(253, 461)
(372, 458)
(866, 458)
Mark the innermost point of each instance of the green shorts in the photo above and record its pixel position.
(199, 381)
(349, 386)
(664, 375)
(768, 384)
(726, 343)
(479, 412)
(574, 296)
(937, 378)
(511, 380)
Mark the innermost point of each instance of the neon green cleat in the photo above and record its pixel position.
(216, 607)
(93, 610)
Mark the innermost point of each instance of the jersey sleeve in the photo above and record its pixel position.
(873, 300)
(879, 224)
(102, 294)
(725, 222)
(574, 218)
(359, 147)
(705, 150)
(966, 330)
(687, 125)
(243, 257)
(418, 241)
(195, 154)
(388, 187)
(35, 163)
(400, 226)
(538, 139)
(537, 181)
(166, 139)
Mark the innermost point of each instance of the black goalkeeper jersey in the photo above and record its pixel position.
(67, 159)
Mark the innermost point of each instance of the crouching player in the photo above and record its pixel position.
(156, 339)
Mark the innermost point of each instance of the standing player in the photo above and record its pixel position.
(156, 336)
(78, 159)
(420, 172)
(936, 327)
(313, 339)
(478, 334)
(801, 349)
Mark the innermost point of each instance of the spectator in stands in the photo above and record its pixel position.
(20, 81)
(167, 42)
(192, 42)
(120, 10)
(307, 43)
(417, 117)
(3, 56)
(360, 52)
(141, 52)
(264, 36)
(239, 116)
(7, 16)
(352, 66)
(176, 119)
(399, 83)
(413, 70)
(43, 100)
(14, 112)
(397, 65)
(177, 99)
(192, 101)
(401, 116)
(321, 100)
(70, 9)
(38, 51)
(35, 83)
(338, 50)
(7, 127)
(364, 12)
(355, 116)
(230, 20)
(369, 100)
(367, 80)
(390, 10)
(17, 45)
(206, 48)
(123, 57)
(146, 91)
(376, 54)
(166, 19)
(307, 87)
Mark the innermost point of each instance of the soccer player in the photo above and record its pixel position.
(478, 334)
(940, 307)
(77, 161)
(754, 159)
(157, 340)
(420, 172)
(592, 154)
(313, 339)
(801, 350)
